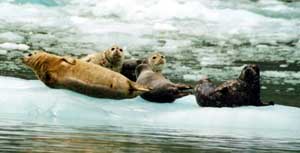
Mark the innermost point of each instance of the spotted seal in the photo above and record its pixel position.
(83, 77)
(156, 61)
(239, 92)
(163, 90)
(111, 58)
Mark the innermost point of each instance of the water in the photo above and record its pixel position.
(198, 37)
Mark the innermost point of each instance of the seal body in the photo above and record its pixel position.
(112, 58)
(87, 78)
(239, 92)
(156, 61)
(129, 66)
(162, 89)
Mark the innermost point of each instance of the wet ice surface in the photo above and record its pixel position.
(214, 38)
(51, 117)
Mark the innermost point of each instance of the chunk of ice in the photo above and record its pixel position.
(13, 46)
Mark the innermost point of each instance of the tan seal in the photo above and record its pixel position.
(163, 90)
(87, 78)
(111, 58)
(156, 61)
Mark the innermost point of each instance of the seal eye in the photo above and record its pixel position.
(121, 50)
(154, 57)
(113, 49)
(29, 54)
(162, 56)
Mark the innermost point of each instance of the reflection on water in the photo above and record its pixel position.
(28, 137)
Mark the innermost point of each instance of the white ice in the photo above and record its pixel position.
(14, 46)
(32, 101)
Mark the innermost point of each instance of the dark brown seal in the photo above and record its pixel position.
(243, 91)
(162, 89)
(77, 75)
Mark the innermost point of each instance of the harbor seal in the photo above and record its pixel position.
(112, 58)
(163, 90)
(156, 61)
(243, 91)
(87, 78)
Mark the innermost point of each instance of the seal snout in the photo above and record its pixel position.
(117, 51)
(25, 58)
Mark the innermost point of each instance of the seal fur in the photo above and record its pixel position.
(112, 58)
(156, 61)
(87, 78)
(243, 91)
(163, 90)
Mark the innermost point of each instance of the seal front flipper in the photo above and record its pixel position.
(69, 60)
(47, 78)
(266, 103)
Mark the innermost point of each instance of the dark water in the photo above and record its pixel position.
(30, 137)
(214, 38)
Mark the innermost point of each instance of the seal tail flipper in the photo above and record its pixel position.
(181, 94)
(138, 87)
(183, 86)
(190, 91)
(267, 103)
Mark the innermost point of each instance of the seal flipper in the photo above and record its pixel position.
(69, 60)
(177, 93)
(48, 79)
(138, 87)
(183, 86)
(181, 94)
(184, 89)
(266, 103)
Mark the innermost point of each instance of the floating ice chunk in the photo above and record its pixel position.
(3, 52)
(14, 46)
(283, 65)
(11, 37)
(193, 77)
(264, 87)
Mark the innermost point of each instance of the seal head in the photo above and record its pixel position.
(112, 58)
(156, 61)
